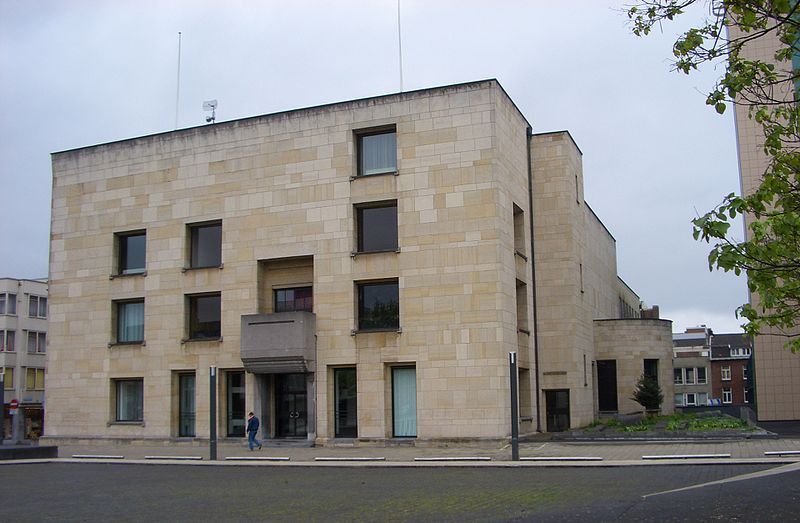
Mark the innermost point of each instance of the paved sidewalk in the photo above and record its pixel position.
(612, 453)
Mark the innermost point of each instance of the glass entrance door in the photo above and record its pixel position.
(235, 396)
(346, 414)
(404, 402)
(291, 413)
(557, 409)
(186, 405)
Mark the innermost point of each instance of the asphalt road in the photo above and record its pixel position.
(103, 492)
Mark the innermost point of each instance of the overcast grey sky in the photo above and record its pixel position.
(83, 72)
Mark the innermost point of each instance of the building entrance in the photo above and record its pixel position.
(291, 409)
(557, 410)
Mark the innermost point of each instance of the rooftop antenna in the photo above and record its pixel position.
(210, 105)
(399, 46)
(178, 87)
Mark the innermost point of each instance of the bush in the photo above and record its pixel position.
(648, 393)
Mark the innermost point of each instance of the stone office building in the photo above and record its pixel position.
(358, 270)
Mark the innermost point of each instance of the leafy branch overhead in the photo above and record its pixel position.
(770, 254)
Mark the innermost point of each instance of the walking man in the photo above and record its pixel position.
(252, 429)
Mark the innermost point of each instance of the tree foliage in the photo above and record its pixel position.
(770, 255)
(648, 393)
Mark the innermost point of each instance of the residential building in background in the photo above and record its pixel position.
(23, 348)
(355, 272)
(731, 375)
(777, 370)
(692, 367)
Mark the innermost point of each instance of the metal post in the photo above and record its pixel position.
(212, 388)
(512, 366)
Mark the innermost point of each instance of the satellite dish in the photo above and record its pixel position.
(211, 105)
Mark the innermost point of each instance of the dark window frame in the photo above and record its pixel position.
(308, 300)
(366, 320)
(123, 250)
(343, 405)
(118, 306)
(195, 331)
(197, 247)
(366, 133)
(138, 414)
(366, 208)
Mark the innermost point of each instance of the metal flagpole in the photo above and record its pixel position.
(400, 45)
(178, 84)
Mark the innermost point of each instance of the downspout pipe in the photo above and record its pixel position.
(529, 141)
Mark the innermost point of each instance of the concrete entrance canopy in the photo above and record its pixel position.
(279, 343)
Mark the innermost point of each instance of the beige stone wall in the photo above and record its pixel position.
(281, 184)
(630, 342)
(777, 369)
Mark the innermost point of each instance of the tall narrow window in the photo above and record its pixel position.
(651, 369)
(130, 399)
(377, 152)
(205, 316)
(186, 405)
(726, 373)
(346, 415)
(206, 245)
(377, 227)
(702, 379)
(235, 412)
(404, 402)
(519, 230)
(132, 248)
(8, 378)
(130, 321)
(37, 306)
(727, 396)
(294, 299)
(522, 307)
(378, 306)
(678, 374)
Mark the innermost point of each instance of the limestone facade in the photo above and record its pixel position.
(777, 370)
(416, 280)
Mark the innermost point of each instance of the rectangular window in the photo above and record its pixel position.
(691, 399)
(745, 372)
(37, 342)
(130, 321)
(206, 245)
(678, 399)
(8, 378)
(235, 416)
(746, 395)
(186, 405)
(702, 398)
(294, 300)
(37, 306)
(346, 415)
(378, 306)
(34, 379)
(8, 304)
(678, 374)
(205, 316)
(726, 373)
(132, 248)
(129, 399)
(702, 379)
(727, 396)
(377, 152)
(519, 230)
(651, 369)
(377, 227)
(689, 376)
(7, 341)
(404, 402)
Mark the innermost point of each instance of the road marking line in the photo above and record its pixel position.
(97, 456)
(175, 457)
(753, 475)
(782, 453)
(687, 456)
(561, 458)
(350, 459)
(456, 458)
(255, 458)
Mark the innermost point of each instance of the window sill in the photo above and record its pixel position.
(140, 343)
(382, 251)
(126, 423)
(520, 254)
(524, 331)
(387, 173)
(354, 332)
(200, 340)
(189, 269)
(128, 275)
